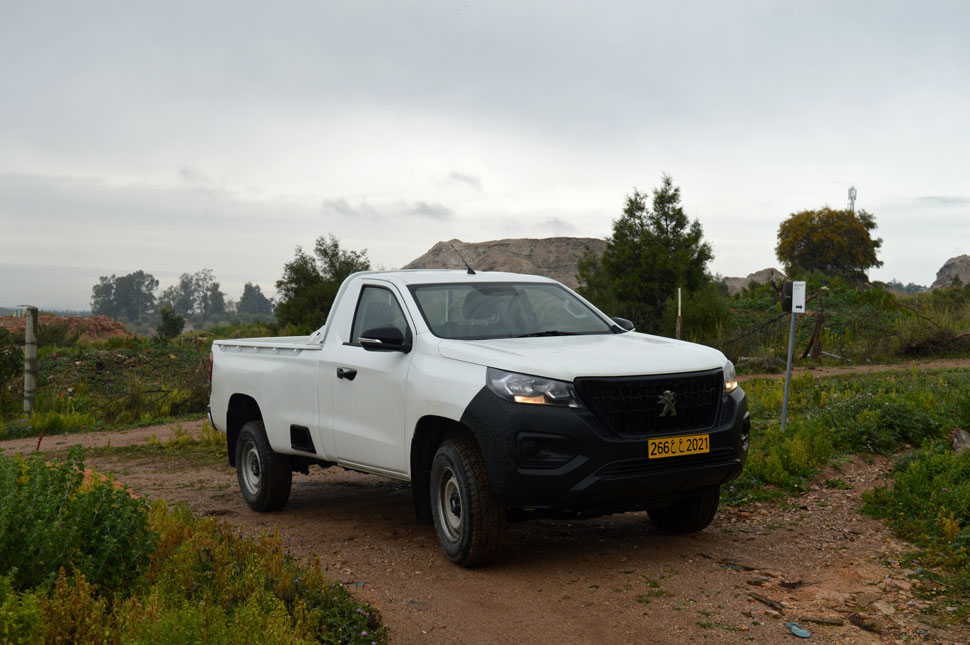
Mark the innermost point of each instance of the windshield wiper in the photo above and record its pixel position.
(548, 332)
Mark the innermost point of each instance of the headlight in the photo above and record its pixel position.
(523, 388)
(730, 377)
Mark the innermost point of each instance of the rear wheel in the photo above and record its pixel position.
(467, 517)
(689, 514)
(264, 476)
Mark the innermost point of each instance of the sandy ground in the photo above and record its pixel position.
(607, 580)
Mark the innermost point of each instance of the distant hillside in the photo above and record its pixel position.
(553, 257)
(958, 267)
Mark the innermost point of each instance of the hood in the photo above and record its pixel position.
(569, 357)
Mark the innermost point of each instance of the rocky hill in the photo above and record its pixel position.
(553, 257)
(737, 285)
(958, 267)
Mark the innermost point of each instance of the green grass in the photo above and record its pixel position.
(887, 413)
(118, 383)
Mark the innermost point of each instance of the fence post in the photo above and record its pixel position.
(30, 359)
(680, 321)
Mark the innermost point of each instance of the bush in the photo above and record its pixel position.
(171, 323)
(88, 563)
(51, 520)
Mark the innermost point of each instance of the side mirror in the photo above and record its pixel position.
(624, 324)
(385, 339)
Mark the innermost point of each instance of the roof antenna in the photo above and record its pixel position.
(471, 271)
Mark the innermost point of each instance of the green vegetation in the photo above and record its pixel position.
(834, 242)
(652, 252)
(117, 383)
(929, 502)
(87, 562)
(196, 299)
(858, 325)
(929, 505)
(309, 284)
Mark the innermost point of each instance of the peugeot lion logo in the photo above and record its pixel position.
(669, 400)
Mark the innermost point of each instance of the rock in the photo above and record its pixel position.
(961, 440)
(553, 257)
(765, 276)
(884, 607)
(958, 267)
(758, 581)
(867, 599)
(771, 613)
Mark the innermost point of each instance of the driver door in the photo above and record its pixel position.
(370, 387)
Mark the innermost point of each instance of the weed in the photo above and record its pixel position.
(838, 482)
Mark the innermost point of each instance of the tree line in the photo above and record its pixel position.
(196, 296)
(654, 249)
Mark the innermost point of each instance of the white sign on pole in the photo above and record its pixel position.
(798, 297)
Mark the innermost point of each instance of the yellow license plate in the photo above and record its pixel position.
(694, 444)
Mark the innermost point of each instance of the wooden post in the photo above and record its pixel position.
(680, 320)
(30, 359)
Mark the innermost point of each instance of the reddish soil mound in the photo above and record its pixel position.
(95, 327)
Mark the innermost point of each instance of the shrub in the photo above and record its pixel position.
(159, 575)
(50, 521)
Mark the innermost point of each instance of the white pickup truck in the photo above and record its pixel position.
(498, 396)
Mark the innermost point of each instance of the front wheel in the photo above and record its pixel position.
(467, 517)
(264, 476)
(689, 514)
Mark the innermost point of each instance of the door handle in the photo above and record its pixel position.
(347, 373)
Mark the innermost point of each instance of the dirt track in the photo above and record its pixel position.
(607, 580)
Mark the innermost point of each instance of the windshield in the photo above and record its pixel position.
(505, 310)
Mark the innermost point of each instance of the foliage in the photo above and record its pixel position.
(864, 414)
(171, 324)
(907, 289)
(309, 284)
(196, 294)
(254, 302)
(119, 382)
(201, 583)
(653, 250)
(128, 297)
(929, 505)
(706, 314)
(11, 361)
(835, 242)
(50, 519)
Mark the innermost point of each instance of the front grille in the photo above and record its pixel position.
(632, 405)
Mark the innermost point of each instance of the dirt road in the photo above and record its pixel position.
(607, 580)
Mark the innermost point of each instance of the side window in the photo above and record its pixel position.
(377, 307)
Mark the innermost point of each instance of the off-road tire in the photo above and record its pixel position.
(688, 514)
(467, 517)
(264, 476)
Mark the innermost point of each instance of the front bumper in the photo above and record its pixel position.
(565, 460)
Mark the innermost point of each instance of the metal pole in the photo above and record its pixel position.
(791, 348)
(30, 359)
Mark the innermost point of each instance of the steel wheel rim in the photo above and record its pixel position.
(251, 468)
(450, 504)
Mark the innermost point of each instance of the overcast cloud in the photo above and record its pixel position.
(172, 136)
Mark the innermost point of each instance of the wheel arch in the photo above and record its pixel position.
(429, 432)
(242, 409)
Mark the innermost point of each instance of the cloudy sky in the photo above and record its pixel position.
(172, 136)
